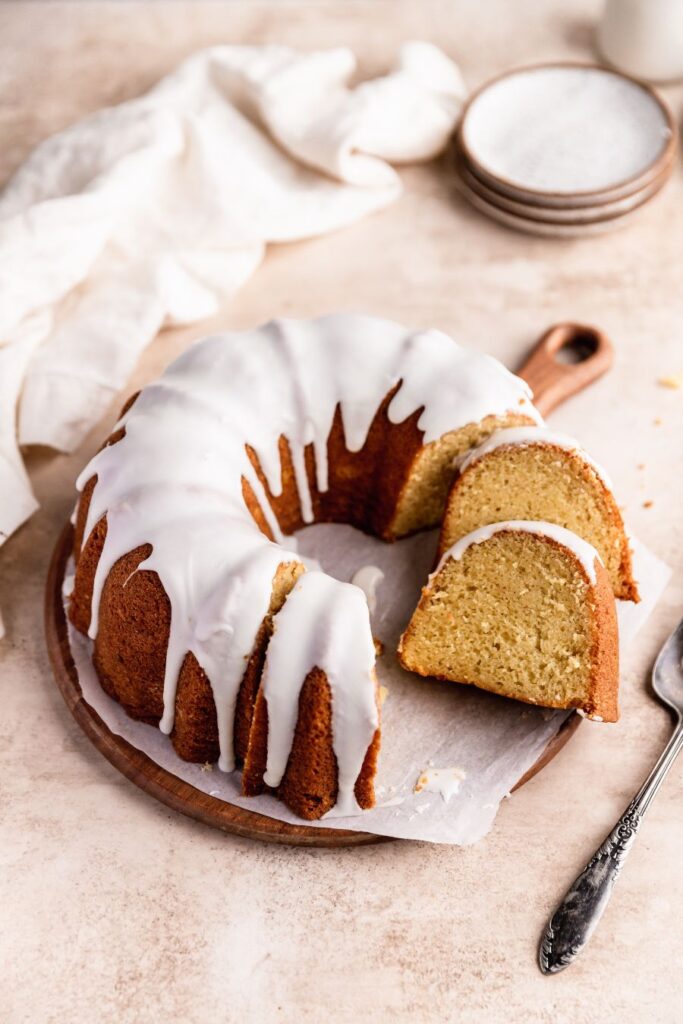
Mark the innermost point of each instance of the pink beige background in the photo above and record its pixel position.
(116, 909)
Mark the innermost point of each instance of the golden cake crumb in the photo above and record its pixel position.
(383, 694)
(555, 646)
(648, 504)
(673, 381)
(542, 482)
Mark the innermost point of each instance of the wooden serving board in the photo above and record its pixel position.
(552, 382)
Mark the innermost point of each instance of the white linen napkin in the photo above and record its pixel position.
(154, 212)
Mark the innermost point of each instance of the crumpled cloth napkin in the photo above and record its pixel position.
(154, 213)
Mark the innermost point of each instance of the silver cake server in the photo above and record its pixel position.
(575, 920)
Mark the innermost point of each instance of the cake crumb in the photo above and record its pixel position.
(379, 647)
(641, 465)
(673, 381)
(657, 421)
(589, 715)
(383, 694)
(648, 504)
(206, 767)
(445, 781)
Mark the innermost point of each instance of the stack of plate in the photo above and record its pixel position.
(564, 149)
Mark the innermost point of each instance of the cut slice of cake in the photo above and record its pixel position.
(531, 473)
(525, 610)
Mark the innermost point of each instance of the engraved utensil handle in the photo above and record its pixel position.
(574, 921)
(577, 916)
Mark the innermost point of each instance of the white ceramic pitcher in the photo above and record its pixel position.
(644, 37)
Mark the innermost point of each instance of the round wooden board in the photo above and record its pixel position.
(168, 788)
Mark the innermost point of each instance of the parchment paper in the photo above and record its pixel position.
(425, 723)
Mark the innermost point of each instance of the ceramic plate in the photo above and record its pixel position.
(543, 227)
(563, 131)
(555, 214)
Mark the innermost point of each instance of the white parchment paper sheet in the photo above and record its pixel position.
(425, 723)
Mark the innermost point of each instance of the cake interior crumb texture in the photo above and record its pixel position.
(517, 615)
(542, 482)
(423, 496)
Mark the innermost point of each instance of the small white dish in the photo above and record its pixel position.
(576, 215)
(562, 131)
(545, 228)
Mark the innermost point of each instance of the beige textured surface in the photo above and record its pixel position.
(115, 909)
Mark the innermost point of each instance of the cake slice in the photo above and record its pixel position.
(525, 610)
(531, 473)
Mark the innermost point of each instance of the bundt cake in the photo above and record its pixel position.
(532, 473)
(182, 572)
(525, 610)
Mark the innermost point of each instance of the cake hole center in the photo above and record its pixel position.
(341, 550)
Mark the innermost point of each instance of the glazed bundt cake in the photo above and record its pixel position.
(533, 473)
(525, 610)
(182, 571)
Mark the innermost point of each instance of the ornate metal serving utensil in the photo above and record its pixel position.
(574, 921)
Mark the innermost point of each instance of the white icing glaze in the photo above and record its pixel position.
(526, 436)
(584, 551)
(445, 781)
(68, 584)
(368, 578)
(174, 480)
(323, 624)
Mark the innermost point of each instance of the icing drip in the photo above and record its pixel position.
(174, 481)
(368, 578)
(530, 436)
(323, 624)
(584, 551)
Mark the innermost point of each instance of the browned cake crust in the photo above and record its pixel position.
(603, 699)
(310, 784)
(366, 488)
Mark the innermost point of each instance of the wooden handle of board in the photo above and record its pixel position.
(552, 381)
